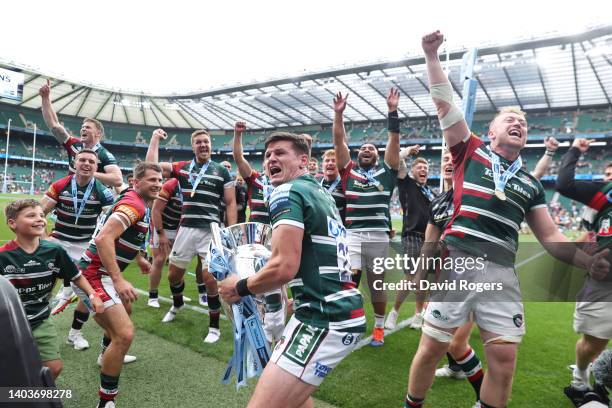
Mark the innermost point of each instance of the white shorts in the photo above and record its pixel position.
(103, 285)
(310, 353)
(190, 242)
(154, 241)
(594, 319)
(497, 311)
(74, 249)
(355, 241)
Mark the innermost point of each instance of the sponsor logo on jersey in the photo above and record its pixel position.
(10, 269)
(348, 339)
(438, 315)
(321, 370)
(31, 262)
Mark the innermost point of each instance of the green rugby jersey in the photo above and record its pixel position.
(323, 291)
(367, 207)
(256, 184)
(66, 228)
(480, 219)
(34, 275)
(204, 207)
(74, 145)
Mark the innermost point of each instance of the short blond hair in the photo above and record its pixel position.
(509, 109)
(198, 133)
(328, 153)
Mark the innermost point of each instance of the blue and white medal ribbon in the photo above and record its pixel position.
(267, 188)
(197, 178)
(75, 197)
(332, 186)
(501, 179)
(369, 175)
(427, 192)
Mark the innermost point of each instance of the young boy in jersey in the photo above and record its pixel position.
(32, 265)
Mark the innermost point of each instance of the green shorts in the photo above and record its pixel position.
(45, 337)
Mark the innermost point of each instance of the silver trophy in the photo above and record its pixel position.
(247, 247)
(242, 250)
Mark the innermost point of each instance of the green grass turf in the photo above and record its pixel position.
(175, 368)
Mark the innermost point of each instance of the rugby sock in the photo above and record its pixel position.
(201, 288)
(105, 343)
(177, 294)
(452, 364)
(214, 307)
(357, 278)
(379, 320)
(67, 291)
(109, 388)
(413, 402)
(79, 319)
(153, 294)
(470, 364)
(580, 377)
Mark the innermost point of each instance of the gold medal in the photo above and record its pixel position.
(380, 187)
(193, 193)
(500, 194)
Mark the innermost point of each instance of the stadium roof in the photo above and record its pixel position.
(570, 71)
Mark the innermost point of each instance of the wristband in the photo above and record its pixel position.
(550, 153)
(242, 288)
(393, 122)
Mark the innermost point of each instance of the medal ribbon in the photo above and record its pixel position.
(197, 178)
(369, 174)
(75, 197)
(332, 186)
(501, 179)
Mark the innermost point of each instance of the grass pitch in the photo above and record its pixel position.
(175, 367)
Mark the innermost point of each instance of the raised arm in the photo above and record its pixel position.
(392, 151)
(153, 152)
(451, 118)
(404, 154)
(244, 168)
(582, 191)
(343, 155)
(49, 115)
(544, 163)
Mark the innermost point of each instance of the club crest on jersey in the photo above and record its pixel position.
(52, 267)
(10, 269)
(518, 320)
